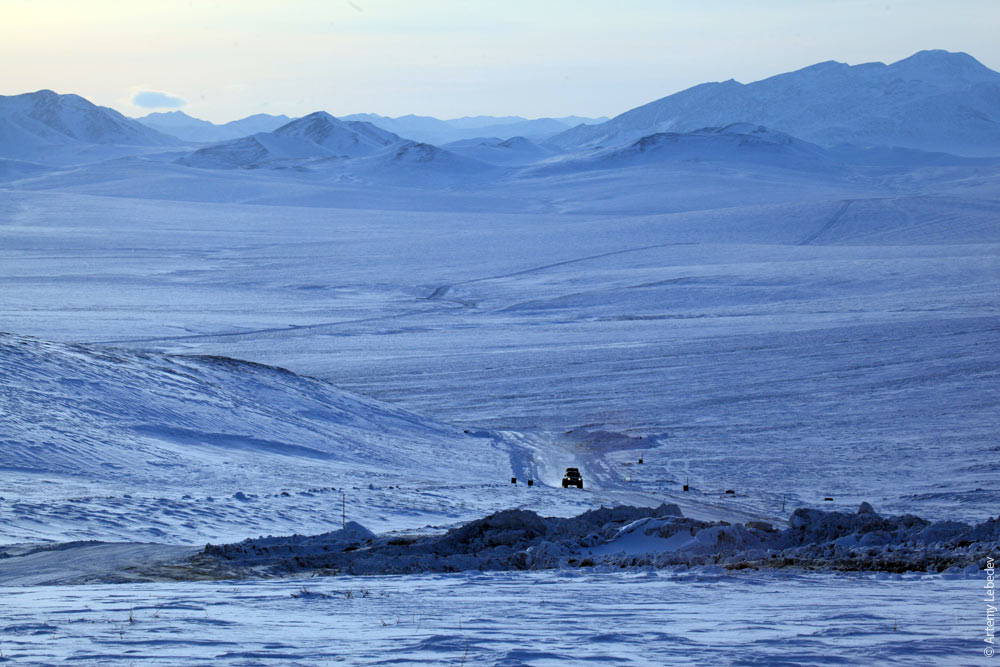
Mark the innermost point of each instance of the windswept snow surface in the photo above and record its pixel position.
(697, 617)
(105, 444)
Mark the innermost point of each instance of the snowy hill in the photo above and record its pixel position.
(353, 150)
(183, 126)
(97, 413)
(933, 100)
(95, 421)
(411, 163)
(740, 143)
(318, 135)
(33, 124)
(493, 150)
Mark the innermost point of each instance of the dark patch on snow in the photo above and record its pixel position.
(625, 537)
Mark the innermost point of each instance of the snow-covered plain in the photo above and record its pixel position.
(538, 618)
(740, 309)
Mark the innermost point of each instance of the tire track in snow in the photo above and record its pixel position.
(570, 261)
(293, 328)
(437, 295)
(542, 457)
(441, 290)
(834, 219)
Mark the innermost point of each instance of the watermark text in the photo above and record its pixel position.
(991, 606)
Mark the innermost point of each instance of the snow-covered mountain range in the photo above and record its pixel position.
(933, 100)
(354, 149)
(433, 130)
(420, 128)
(187, 128)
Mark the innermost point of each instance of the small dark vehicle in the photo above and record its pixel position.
(572, 478)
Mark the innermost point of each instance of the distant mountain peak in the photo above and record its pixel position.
(319, 115)
(317, 135)
(50, 97)
(31, 121)
(435, 131)
(259, 116)
(193, 129)
(944, 65)
(940, 55)
(171, 121)
(316, 126)
(825, 66)
(168, 114)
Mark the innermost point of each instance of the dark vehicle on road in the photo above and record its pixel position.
(572, 478)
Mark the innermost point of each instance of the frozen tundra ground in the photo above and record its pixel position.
(503, 618)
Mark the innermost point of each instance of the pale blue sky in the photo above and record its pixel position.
(448, 58)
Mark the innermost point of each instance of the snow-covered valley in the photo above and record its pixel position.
(326, 324)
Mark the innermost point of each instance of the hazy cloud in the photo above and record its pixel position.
(151, 99)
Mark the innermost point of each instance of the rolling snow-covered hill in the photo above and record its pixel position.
(410, 163)
(933, 100)
(740, 143)
(100, 436)
(35, 126)
(493, 150)
(16, 169)
(353, 150)
(97, 413)
(318, 135)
